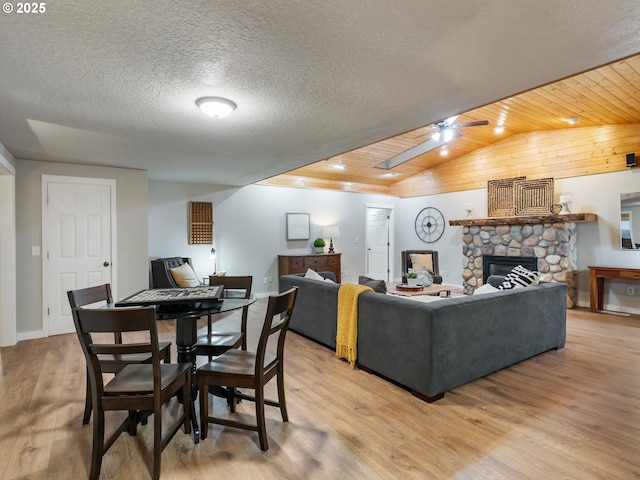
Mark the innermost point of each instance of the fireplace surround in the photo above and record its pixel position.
(501, 265)
(550, 239)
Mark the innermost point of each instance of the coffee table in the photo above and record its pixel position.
(435, 289)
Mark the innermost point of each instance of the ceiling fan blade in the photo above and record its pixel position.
(470, 124)
(414, 152)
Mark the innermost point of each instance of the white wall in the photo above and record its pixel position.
(131, 211)
(249, 226)
(7, 249)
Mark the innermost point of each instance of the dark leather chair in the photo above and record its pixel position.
(161, 276)
(213, 343)
(250, 370)
(110, 364)
(405, 257)
(139, 387)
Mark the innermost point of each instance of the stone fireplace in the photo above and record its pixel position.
(550, 240)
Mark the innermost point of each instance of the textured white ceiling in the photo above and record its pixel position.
(115, 83)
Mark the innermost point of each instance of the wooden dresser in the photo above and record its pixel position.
(320, 262)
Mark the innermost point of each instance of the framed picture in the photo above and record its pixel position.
(297, 226)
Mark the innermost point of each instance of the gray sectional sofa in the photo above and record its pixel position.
(431, 348)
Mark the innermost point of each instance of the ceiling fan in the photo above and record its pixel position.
(445, 131)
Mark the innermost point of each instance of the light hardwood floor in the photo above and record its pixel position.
(570, 414)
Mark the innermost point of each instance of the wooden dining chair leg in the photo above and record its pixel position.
(98, 445)
(281, 397)
(87, 402)
(260, 419)
(157, 444)
(204, 408)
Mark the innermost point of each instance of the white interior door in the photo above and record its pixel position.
(77, 243)
(378, 243)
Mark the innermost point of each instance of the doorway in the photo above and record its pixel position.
(78, 243)
(379, 242)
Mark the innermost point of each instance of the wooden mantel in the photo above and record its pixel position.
(529, 220)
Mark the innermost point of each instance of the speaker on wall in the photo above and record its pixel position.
(631, 159)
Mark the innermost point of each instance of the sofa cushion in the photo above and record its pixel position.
(421, 260)
(519, 277)
(313, 275)
(379, 286)
(486, 288)
(184, 276)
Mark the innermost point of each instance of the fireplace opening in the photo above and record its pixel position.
(496, 265)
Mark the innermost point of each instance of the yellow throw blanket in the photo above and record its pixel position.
(347, 327)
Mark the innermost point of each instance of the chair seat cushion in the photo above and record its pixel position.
(235, 362)
(139, 378)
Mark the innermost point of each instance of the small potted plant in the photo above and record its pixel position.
(318, 245)
(412, 279)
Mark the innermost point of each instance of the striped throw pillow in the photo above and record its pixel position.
(519, 277)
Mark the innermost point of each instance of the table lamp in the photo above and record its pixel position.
(331, 233)
(213, 258)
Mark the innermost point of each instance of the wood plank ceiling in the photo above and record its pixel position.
(608, 95)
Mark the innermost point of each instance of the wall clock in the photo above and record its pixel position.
(429, 224)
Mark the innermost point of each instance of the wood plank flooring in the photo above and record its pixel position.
(571, 414)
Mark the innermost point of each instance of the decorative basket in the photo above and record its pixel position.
(533, 197)
(500, 201)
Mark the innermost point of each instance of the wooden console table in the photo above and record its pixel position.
(596, 284)
(328, 262)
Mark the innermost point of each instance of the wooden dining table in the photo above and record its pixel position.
(187, 307)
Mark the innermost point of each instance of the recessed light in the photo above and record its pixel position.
(216, 107)
(444, 151)
(499, 129)
(572, 120)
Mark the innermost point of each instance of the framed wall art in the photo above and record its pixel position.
(298, 226)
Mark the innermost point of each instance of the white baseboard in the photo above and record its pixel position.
(30, 335)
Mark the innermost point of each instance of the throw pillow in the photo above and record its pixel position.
(519, 277)
(486, 288)
(379, 286)
(419, 260)
(184, 276)
(313, 275)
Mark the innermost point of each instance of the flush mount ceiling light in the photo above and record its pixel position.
(216, 107)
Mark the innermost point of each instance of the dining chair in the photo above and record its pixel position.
(213, 343)
(137, 387)
(111, 364)
(251, 370)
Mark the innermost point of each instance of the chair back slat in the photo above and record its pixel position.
(279, 310)
(233, 283)
(140, 322)
(92, 295)
(87, 296)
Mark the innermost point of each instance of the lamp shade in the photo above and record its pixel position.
(331, 232)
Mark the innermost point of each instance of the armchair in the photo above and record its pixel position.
(161, 276)
(407, 263)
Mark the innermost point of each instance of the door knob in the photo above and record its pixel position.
(105, 264)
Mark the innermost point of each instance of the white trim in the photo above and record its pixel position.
(8, 314)
(31, 335)
(391, 248)
(46, 179)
